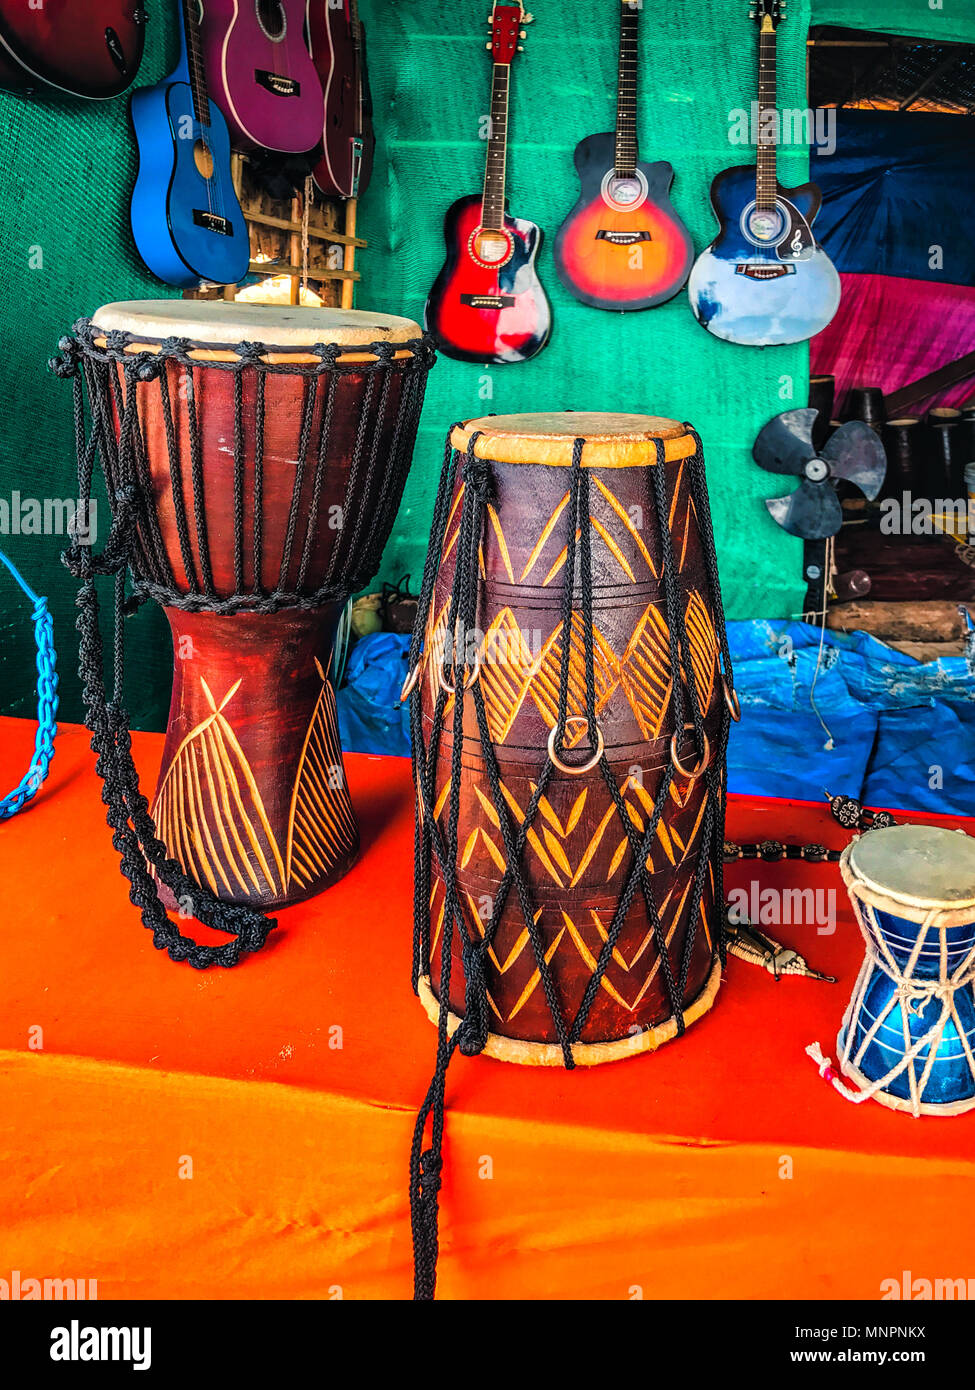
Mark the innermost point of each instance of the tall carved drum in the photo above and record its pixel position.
(570, 712)
(255, 458)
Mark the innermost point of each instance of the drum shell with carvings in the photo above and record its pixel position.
(578, 857)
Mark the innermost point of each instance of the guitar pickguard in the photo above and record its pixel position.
(798, 244)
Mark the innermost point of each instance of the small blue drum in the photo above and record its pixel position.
(908, 1035)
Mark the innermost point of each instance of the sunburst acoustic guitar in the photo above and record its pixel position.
(623, 246)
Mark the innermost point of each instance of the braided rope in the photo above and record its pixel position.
(47, 702)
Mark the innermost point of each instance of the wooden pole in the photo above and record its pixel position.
(295, 241)
(237, 179)
(348, 259)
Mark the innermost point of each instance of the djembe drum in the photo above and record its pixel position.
(254, 458)
(908, 1035)
(570, 714)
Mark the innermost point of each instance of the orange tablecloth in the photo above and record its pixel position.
(246, 1133)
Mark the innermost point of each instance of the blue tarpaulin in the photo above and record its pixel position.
(877, 724)
(898, 183)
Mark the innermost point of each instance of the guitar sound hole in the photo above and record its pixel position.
(203, 159)
(624, 191)
(766, 224)
(272, 18)
(491, 247)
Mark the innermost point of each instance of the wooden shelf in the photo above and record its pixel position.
(317, 230)
(283, 268)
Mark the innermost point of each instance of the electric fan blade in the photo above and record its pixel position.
(854, 452)
(785, 444)
(812, 511)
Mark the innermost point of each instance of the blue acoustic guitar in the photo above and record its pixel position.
(764, 280)
(186, 218)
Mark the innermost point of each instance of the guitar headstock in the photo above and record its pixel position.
(505, 22)
(768, 14)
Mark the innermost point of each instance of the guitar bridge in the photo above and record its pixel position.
(212, 221)
(488, 301)
(276, 84)
(764, 272)
(622, 238)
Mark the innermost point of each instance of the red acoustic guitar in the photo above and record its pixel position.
(623, 246)
(487, 304)
(90, 48)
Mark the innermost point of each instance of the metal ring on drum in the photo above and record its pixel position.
(691, 774)
(575, 769)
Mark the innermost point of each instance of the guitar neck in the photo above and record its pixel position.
(766, 178)
(492, 203)
(193, 59)
(626, 147)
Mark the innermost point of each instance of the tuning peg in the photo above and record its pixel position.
(521, 48)
(522, 34)
(489, 45)
(527, 18)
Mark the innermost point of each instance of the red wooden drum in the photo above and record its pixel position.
(571, 711)
(262, 452)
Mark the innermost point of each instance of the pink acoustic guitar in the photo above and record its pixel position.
(261, 75)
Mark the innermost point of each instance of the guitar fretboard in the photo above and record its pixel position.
(194, 58)
(492, 204)
(626, 148)
(765, 174)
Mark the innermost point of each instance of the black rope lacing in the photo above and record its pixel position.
(103, 364)
(431, 838)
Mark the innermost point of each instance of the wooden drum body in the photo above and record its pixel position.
(265, 479)
(578, 853)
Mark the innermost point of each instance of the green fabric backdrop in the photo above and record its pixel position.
(430, 78)
(66, 169)
(66, 172)
(949, 21)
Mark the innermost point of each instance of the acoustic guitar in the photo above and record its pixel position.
(338, 49)
(764, 280)
(487, 304)
(623, 246)
(186, 218)
(261, 74)
(90, 48)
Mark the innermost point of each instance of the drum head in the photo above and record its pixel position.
(216, 324)
(612, 440)
(921, 865)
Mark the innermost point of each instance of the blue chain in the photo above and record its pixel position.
(47, 702)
